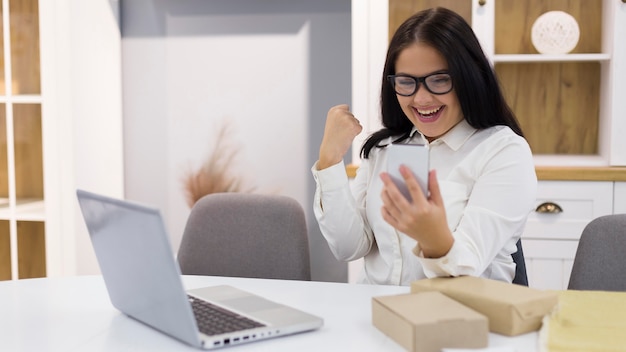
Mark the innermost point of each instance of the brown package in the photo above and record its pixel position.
(511, 309)
(429, 321)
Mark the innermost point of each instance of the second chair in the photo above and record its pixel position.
(246, 235)
(600, 261)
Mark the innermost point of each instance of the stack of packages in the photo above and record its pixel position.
(459, 312)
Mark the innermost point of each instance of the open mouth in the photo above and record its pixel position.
(430, 113)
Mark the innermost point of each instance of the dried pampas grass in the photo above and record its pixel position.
(215, 176)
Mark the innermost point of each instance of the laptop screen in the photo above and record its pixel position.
(138, 264)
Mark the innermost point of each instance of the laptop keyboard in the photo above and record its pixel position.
(214, 320)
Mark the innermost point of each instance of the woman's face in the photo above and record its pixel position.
(432, 114)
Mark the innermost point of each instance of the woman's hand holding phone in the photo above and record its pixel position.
(421, 215)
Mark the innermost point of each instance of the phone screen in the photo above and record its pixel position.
(416, 158)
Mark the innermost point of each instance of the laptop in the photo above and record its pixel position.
(144, 282)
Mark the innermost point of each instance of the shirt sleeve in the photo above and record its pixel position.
(340, 217)
(500, 199)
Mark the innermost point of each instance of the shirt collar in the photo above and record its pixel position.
(454, 138)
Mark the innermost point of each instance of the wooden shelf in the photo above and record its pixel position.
(559, 173)
(564, 173)
(31, 209)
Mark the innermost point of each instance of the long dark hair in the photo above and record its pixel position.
(473, 78)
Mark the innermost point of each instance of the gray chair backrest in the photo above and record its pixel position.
(246, 235)
(521, 277)
(600, 261)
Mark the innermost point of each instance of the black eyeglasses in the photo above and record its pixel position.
(436, 83)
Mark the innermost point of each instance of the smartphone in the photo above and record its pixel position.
(416, 158)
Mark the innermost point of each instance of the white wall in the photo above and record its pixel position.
(82, 121)
(269, 68)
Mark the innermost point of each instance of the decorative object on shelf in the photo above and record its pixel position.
(555, 32)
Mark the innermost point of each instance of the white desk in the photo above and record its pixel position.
(75, 314)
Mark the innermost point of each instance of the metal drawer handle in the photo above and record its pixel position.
(483, 2)
(549, 208)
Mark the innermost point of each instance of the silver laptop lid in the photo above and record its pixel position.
(138, 265)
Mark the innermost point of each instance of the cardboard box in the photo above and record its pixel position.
(511, 309)
(429, 321)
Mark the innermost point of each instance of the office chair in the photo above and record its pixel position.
(246, 235)
(521, 277)
(600, 260)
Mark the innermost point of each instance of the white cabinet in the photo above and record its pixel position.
(551, 236)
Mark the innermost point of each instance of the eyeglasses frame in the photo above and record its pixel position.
(418, 81)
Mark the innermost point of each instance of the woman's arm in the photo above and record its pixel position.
(341, 218)
(340, 211)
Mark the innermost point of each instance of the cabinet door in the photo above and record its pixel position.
(576, 203)
(563, 209)
(549, 262)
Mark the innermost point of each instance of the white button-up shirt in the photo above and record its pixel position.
(488, 183)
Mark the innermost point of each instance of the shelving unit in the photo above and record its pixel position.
(22, 209)
(545, 91)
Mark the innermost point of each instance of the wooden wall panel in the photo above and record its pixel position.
(4, 166)
(514, 21)
(400, 10)
(28, 151)
(556, 103)
(5, 251)
(2, 80)
(31, 249)
(24, 24)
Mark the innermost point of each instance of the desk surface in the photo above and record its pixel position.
(75, 314)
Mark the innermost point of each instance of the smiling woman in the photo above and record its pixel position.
(439, 90)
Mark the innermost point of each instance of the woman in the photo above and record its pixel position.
(438, 89)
